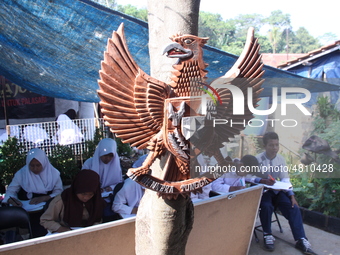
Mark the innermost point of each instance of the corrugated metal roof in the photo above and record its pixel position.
(275, 60)
(305, 58)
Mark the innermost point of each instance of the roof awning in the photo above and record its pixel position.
(54, 48)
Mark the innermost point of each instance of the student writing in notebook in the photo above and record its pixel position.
(273, 167)
(80, 205)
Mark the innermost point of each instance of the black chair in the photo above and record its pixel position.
(260, 226)
(15, 217)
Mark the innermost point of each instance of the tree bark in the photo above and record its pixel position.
(167, 18)
(163, 226)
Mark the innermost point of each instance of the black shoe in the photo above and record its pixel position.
(304, 246)
(268, 241)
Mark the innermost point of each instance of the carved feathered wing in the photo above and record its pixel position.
(246, 72)
(131, 101)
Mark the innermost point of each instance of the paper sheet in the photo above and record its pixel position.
(106, 193)
(280, 186)
(124, 216)
(30, 208)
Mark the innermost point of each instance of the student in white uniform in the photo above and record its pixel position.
(207, 188)
(80, 205)
(68, 132)
(272, 167)
(38, 181)
(127, 199)
(106, 163)
(233, 181)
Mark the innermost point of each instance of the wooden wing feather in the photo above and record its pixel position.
(246, 72)
(131, 101)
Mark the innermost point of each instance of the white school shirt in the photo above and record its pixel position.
(199, 196)
(111, 173)
(47, 180)
(127, 198)
(68, 132)
(276, 167)
(223, 183)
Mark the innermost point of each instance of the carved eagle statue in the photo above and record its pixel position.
(175, 121)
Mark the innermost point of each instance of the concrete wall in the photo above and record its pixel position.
(223, 225)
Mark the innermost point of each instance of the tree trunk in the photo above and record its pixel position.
(167, 18)
(163, 226)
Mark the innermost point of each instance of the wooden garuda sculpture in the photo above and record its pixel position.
(176, 121)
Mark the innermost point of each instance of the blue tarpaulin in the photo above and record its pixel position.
(325, 67)
(54, 48)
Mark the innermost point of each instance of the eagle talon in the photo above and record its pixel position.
(136, 172)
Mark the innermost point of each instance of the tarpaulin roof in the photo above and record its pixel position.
(319, 65)
(54, 48)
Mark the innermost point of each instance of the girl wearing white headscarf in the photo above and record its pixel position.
(110, 171)
(32, 184)
(127, 199)
(68, 132)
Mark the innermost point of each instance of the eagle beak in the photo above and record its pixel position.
(175, 50)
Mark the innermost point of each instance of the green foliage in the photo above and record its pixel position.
(278, 19)
(326, 113)
(256, 144)
(234, 48)
(265, 43)
(274, 37)
(65, 161)
(318, 194)
(327, 199)
(123, 149)
(243, 22)
(332, 135)
(11, 159)
(92, 144)
(134, 11)
(303, 189)
(319, 123)
(315, 191)
(107, 3)
(274, 31)
(304, 42)
(220, 33)
(127, 9)
(327, 109)
(328, 38)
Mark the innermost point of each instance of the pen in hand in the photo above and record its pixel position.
(272, 179)
(15, 202)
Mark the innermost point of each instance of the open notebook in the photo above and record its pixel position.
(30, 208)
(280, 186)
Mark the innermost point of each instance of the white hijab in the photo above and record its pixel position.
(68, 132)
(40, 183)
(110, 173)
(135, 192)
